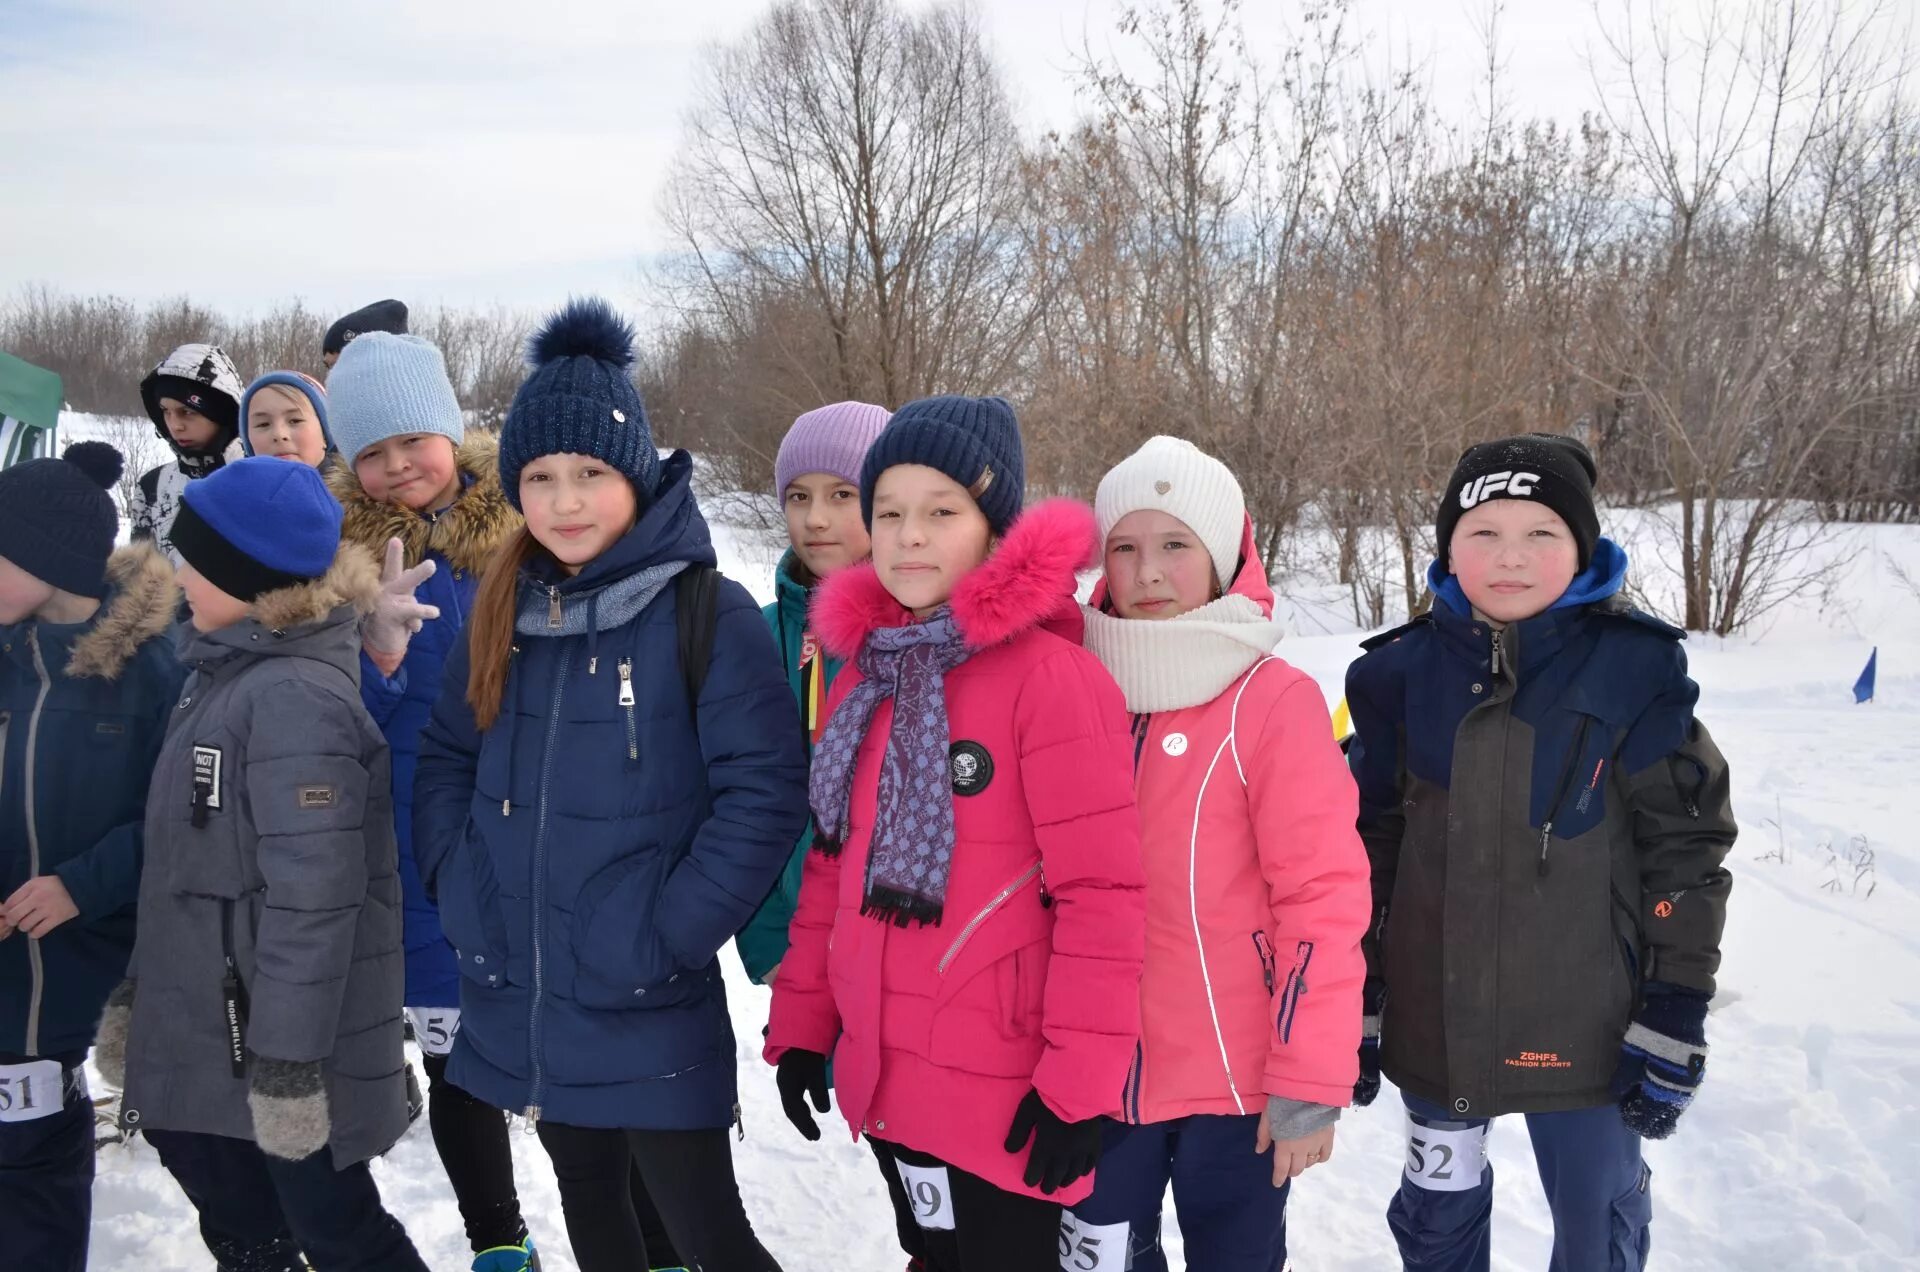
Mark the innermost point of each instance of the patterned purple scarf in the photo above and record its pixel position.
(912, 846)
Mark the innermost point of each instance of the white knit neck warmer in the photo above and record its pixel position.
(1169, 663)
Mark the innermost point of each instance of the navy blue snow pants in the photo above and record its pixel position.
(46, 1171)
(1232, 1218)
(1598, 1189)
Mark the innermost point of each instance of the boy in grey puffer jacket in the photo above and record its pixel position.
(259, 1030)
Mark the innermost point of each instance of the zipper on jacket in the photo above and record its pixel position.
(1499, 652)
(553, 607)
(739, 1123)
(1130, 1092)
(1264, 949)
(626, 700)
(1296, 986)
(1027, 876)
(1142, 723)
(34, 960)
(1560, 791)
(1689, 799)
(536, 1073)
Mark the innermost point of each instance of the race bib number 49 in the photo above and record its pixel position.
(931, 1194)
(1091, 1247)
(31, 1091)
(1445, 1161)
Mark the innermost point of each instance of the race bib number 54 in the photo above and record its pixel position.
(434, 1028)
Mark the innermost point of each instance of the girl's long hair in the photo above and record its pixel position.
(490, 626)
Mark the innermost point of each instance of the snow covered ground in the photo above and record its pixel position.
(1799, 1152)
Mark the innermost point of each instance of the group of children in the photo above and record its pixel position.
(1063, 903)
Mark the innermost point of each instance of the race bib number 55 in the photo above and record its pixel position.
(1091, 1247)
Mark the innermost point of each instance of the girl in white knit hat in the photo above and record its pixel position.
(1257, 891)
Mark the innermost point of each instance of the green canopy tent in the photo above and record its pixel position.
(30, 401)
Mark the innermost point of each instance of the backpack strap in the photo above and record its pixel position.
(696, 594)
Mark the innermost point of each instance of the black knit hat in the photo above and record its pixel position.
(56, 519)
(1548, 468)
(389, 316)
(974, 440)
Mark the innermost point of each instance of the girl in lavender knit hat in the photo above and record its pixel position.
(817, 476)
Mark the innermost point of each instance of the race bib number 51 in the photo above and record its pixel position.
(1445, 1161)
(31, 1091)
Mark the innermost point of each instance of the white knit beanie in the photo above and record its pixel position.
(1181, 480)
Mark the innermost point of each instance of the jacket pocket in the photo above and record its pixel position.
(619, 961)
(470, 913)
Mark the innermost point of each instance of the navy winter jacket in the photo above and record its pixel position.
(83, 709)
(1547, 824)
(459, 541)
(593, 850)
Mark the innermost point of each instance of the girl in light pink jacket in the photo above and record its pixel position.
(1257, 890)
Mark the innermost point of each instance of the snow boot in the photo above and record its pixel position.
(513, 1258)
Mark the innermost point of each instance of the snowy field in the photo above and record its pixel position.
(1800, 1152)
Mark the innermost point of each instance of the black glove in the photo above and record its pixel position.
(1062, 1151)
(800, 1074)
(1373, 999)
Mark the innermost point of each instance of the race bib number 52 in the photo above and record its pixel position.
(1445, 1161)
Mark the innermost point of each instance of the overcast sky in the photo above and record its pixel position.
(245, 153)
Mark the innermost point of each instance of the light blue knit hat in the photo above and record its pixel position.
(390, 386)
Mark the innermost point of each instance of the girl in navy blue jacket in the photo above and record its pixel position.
(591, 836)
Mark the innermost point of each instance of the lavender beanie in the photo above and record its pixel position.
(832, 439)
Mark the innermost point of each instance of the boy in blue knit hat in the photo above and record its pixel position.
(283, 415)
(257, 1038)
(1548, 823)
(88, 679)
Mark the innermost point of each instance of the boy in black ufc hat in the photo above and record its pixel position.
(1547, 822)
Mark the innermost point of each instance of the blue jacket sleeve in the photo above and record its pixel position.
(381, 694)
(443, 777)
(751, 742)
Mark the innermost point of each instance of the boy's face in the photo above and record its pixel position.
(416, 470)
(281, 424)
(190, 430)
(824, 523)
(212, 608)
(927, 534)
(576, 506)
(1513, 557)
(21, 594)
(1156, 566)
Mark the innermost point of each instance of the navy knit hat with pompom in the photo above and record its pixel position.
(580, 401)
(56, 519)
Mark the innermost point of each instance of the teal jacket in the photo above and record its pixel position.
(763, 941)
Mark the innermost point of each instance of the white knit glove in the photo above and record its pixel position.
(397, 615)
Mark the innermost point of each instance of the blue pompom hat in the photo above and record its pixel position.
(974, 440)
(580, 400)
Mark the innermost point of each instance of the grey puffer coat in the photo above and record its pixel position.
(271, 880)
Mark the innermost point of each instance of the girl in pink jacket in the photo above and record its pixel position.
(968, 939)
(1257, 891)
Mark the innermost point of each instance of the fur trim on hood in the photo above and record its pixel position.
(1028, 582)
(466, 534)
(141, 605)
(353, 579)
